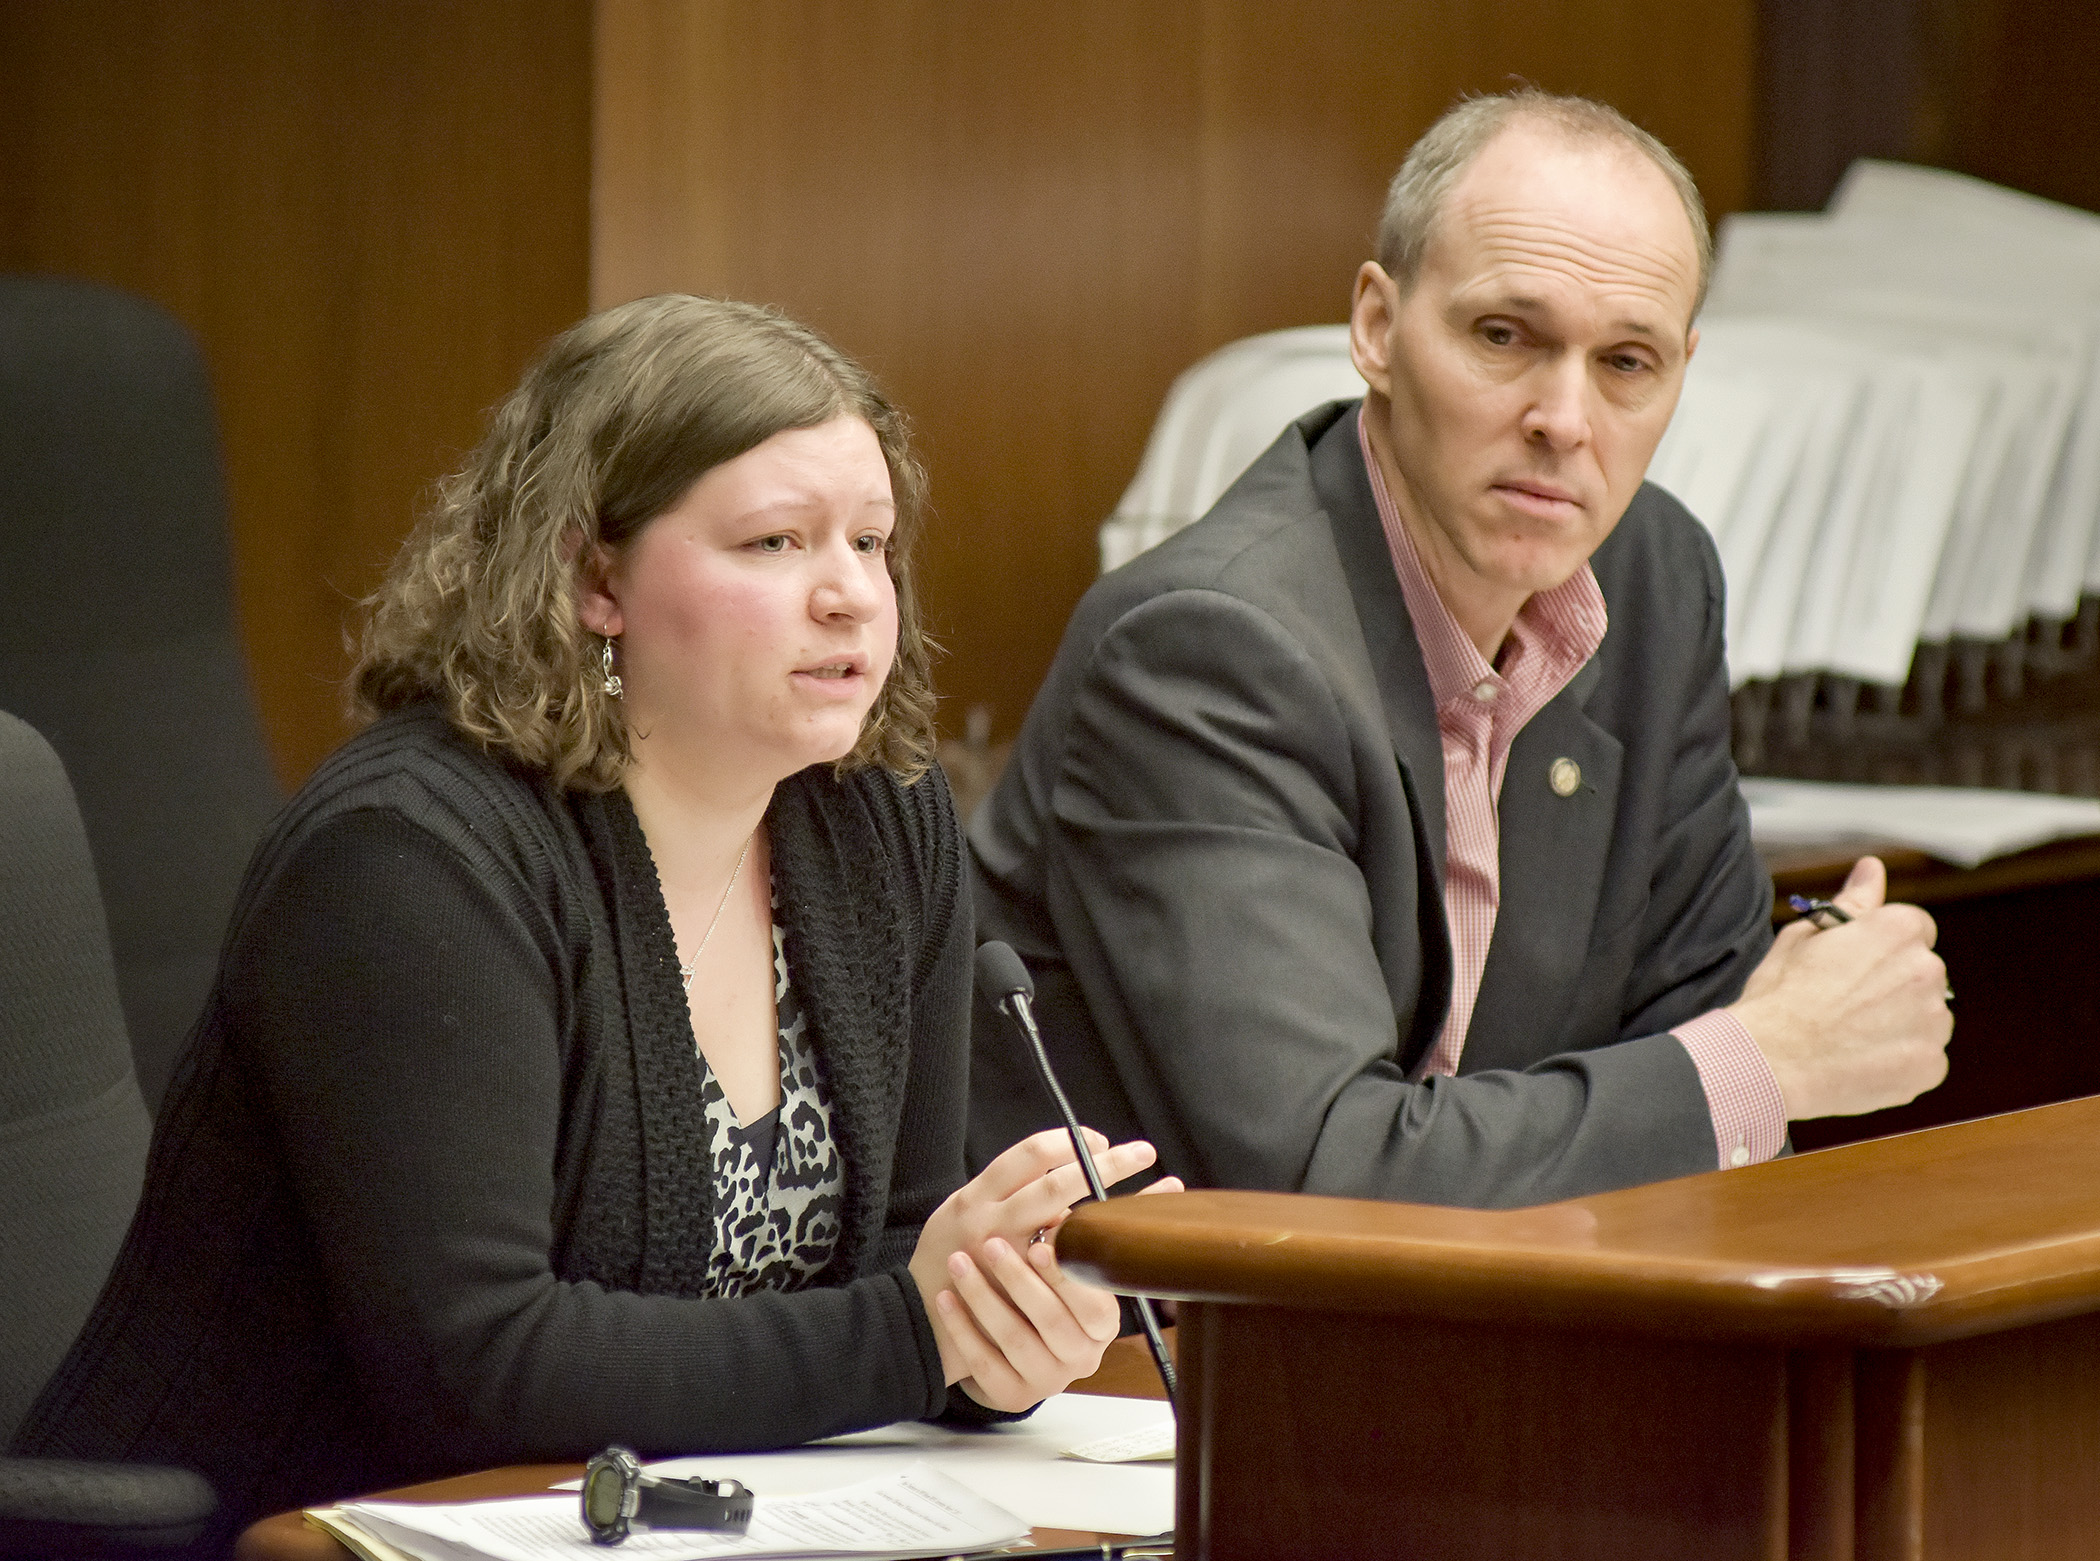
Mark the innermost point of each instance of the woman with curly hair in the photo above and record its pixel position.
(586, 1062)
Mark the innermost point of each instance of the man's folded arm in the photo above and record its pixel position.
(1213, 801)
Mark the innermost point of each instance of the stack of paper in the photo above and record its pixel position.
(1080, 1462)
(914, 1512)
(1024, 1467)
(1957, 824)
(1218, 416)
(1943, 478)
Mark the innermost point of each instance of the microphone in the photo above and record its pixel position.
(1005, 981)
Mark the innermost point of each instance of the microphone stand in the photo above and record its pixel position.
(1000, 971)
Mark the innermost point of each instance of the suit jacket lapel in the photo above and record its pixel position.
(1344, 491)
(1343, 488)
(1554, 851)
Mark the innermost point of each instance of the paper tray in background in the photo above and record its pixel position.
(1962, 825)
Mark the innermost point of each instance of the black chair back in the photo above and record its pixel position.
(73, 1129)
(121, 645)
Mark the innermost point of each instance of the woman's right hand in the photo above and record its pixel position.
(1012, 1327)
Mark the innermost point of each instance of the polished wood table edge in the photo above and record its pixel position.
(1866, 1307)
(1656, 1260)
(1126, 1371)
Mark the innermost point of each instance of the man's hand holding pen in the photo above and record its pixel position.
(1850, 1006)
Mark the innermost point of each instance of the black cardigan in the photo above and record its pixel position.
(431, 1190)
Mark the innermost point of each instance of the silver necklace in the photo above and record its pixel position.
(686, 969)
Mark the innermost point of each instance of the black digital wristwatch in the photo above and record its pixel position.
(617, 1497)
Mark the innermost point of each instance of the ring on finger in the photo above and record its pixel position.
(1042, 1234)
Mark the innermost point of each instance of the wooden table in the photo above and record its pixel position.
(2021, 938)
(1886, 1352)
(1126, 1372)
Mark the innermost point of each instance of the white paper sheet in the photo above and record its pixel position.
(1149, 1444)
(1220, 414)
(1957, 824)
(911, 1511)
(1017, 1465)
(1020, 1466)
(2007, 289)
(365, 1546)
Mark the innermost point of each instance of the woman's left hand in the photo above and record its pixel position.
(1019, 1326)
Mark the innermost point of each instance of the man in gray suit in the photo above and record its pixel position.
(1378, 834)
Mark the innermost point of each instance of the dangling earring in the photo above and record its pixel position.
(605, 666)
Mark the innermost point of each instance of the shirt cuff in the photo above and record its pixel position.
(1741, 1095)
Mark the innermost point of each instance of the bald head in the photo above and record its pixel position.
(1417, 197)
(1519, 380)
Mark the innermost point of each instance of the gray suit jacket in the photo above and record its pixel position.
(1220, 848)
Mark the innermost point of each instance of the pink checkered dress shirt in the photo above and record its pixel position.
(1480, 708)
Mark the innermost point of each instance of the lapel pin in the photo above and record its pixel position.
(1564, 776)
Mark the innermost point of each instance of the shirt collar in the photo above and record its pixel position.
(1554, 634)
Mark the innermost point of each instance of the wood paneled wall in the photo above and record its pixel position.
(371, 214)
(2011, 94)
(2002, 89)
(1029, 219)
(1837, 79)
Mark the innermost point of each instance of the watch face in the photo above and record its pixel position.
(609, 1494)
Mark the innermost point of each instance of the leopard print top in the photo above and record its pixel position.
(776, 1223)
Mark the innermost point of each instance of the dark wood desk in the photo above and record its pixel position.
(1886, 1352)
(1126, 1372)
(2021, 938)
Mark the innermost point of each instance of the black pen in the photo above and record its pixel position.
(1809, 910)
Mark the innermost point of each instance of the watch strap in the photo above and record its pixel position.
(718, 1506)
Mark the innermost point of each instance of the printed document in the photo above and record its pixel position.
(915, 1511)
